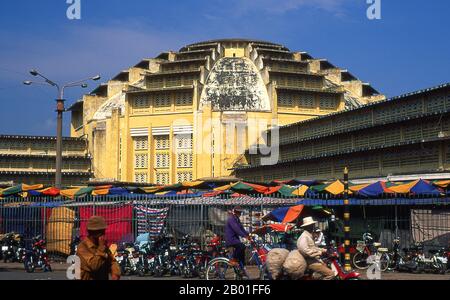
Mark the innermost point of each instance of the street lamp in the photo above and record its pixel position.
(59, 109)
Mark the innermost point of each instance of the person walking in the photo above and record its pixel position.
(97, 261)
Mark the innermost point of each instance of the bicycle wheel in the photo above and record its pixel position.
(220, 269)
(384, 262)
(264, 273)
(360, 260)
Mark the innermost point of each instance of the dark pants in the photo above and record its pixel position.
(239, 253)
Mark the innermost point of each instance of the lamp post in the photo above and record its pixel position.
(59, 110)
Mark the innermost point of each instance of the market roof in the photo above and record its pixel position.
(435, 88)
(37, 137)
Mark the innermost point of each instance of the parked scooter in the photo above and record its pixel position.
(37, 256)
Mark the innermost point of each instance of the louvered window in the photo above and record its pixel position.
(328, 102)
(162, 160)
(162, 142)
(285, 101)
(162, 178)
(184, 160)
(307, 101)
(184, 176)
(140, 143)
(162, 101)
(184, 141)
(140, 177)
(141, 102)
(140, 161)
(155, 82)
(183, 99)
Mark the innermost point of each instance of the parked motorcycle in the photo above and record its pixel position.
(128, 258)
(37, 257)
(13, 247)
(145, 265)
(74, 245)
(190, 258)
(165, 254)
(414, 260)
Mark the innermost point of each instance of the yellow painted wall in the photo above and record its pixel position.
(234, 52)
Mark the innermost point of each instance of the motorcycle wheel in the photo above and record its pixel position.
(158, 272)
(140, 271)
(47, 268)
(441, 268)
(29, 267)
(360, 261)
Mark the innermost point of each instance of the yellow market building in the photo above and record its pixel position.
(192, 114)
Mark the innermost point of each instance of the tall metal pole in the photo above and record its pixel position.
(348, 266)
(59, 126)
(60, 110)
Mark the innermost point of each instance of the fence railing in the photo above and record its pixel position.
(129, 217)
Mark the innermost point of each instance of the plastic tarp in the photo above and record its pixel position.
(431, 226)
(60, 230)
(119, 220)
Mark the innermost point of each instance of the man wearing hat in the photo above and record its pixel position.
(311, 252)
(233, 231)
(97, 261)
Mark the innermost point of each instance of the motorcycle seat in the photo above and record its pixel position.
(376, 244)
(383, 250)
(433, 251)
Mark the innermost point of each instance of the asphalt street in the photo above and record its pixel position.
(16, 272)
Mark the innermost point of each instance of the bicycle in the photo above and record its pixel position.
(221, 268)
(369, 249)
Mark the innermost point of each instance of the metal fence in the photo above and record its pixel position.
(128, 217)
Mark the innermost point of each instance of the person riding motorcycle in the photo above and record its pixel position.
(311, 252)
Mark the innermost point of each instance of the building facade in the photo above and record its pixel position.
(191, 114)
(31, 160)
(397, 138)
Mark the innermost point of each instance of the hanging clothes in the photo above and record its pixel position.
(151, 220)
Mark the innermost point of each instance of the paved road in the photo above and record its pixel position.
(16, 272)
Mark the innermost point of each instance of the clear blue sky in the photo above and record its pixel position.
(408, 49)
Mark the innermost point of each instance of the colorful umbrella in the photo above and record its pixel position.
(284, 214)
(373, 190)
(417, 187)
(273, 228)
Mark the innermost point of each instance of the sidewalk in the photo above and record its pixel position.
(56, 266)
